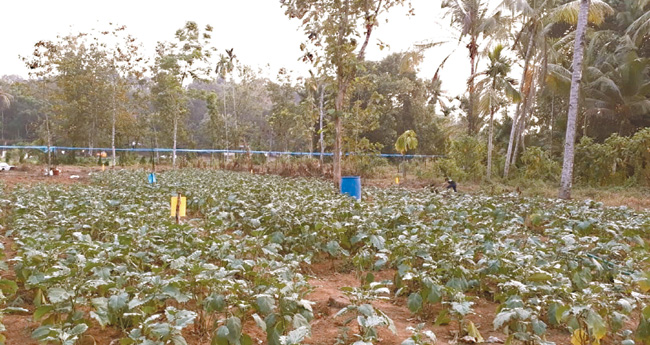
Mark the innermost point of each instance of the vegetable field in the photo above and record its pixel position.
(239, 269)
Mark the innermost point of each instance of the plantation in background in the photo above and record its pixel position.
(108, 254)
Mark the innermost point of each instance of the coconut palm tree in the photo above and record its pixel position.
(569, 13)
(495, 84)
(5, 103)
(474, 21)
(226, 66)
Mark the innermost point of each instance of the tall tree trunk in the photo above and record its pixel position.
(338, 131)
(489, 148)
(113, 128)
(344, 81)
(521, 124)
(225, 118)
(320, 126)
(49, 143)
(516, 117)
(569, 141)
(550, 131)
(472, 118)
(234, 109)
(175, 134)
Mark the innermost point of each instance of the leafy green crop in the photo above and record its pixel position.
(108, 252)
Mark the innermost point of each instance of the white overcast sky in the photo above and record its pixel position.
(258, 30)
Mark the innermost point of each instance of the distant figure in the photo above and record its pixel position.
(450, 184)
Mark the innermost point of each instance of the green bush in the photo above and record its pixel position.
(617, 161)
(469, 154)
(538, 165)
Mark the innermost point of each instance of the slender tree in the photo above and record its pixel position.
(494, 84)
(332, 27)
(473, 19)
(185, 58)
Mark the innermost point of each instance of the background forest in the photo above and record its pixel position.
(99, 89)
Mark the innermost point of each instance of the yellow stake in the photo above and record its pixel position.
(181, 208)
(397, 180)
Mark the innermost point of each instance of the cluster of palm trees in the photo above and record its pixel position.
(548, 39)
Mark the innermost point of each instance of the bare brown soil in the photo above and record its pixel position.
(29, 175)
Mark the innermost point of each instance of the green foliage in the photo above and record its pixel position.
(407, 141)
(469, 155)
(538, 165)
(618, 160)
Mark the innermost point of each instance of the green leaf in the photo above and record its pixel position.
(435, 295)
(265, 304)
(8, 287)
(178, 339)
(246, 339)
(58, 295)
(296, 336)
(555, 312)
(503, 318)
(443, 318)
(377, 241)
(41, 332)
(596, 325)
(42, 311)
(366, 310)
(234, 329)
(78, 329)
(540, 277)
(221, 338)
(299, 321)
(539, 327)
(259, 322)
(414, 302)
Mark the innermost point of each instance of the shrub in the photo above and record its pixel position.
(538, 165)
(469, 155)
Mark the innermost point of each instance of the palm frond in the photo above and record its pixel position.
(5, 99)
(641, 106)
(592, 73)
(568, 12)
(644, 90)
(512, 93)
(427, 45)
(558, 78)
(518, 6)
(639, 29)
(609, 87)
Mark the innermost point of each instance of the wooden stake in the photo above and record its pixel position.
(178, 208)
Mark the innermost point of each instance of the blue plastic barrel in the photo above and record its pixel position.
(351, 185)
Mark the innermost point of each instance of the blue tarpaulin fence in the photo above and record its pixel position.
(149, 150)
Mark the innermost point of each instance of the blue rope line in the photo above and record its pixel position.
(278, 153)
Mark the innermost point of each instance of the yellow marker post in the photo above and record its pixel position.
(397, 180)
(103, 167)
(178, 209)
